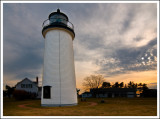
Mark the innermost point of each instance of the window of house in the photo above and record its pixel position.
(47, 92)
(26, 85)
(22, 85)
(29, 85)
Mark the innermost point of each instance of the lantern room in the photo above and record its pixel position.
(58, 20)
(58, 17)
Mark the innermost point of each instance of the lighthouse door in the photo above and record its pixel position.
(47, 92)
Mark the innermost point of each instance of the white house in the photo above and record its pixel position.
(28, 85)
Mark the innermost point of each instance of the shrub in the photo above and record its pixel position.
(21, 95)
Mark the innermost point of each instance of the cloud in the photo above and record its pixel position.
(118, 38)
(125, 60)
(111, 38)
(23, 43)
(121, 25)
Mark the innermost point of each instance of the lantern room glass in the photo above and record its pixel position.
(57, 18)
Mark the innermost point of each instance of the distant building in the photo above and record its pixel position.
(149, 93)
(29, 86)
(113, 92)
(86, 95)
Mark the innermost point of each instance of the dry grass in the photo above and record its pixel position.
(92, 107)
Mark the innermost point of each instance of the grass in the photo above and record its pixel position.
(92, 107)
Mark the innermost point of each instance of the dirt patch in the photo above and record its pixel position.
(93, 103)
(25, 105)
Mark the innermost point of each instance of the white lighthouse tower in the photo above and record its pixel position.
(59, 83)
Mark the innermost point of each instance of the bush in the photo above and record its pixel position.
(21, 95)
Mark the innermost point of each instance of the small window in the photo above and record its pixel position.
(22, 85)
(47, 92)
(26, 85)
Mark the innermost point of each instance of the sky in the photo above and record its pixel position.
(116, 40)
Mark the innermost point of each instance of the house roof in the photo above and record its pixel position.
(28, 80)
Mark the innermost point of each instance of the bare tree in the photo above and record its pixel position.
(93, 81)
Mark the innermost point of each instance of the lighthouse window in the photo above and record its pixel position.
(58, 18)
(47, 92)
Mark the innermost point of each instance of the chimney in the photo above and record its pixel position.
(37, 80)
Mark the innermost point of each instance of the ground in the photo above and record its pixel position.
(90, 107)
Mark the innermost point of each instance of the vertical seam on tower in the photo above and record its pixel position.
(59, 68)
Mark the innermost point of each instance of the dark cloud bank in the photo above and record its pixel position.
(131, 59)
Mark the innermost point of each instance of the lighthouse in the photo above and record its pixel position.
(58, 83)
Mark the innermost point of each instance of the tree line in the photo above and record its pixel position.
(98, 81)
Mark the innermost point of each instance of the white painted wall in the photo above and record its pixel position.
(34, 88)
(58, 69)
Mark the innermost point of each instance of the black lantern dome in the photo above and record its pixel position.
(57, 20)
(57, 15)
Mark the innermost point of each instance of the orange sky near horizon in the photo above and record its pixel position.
(137, 77)
(147, 77)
